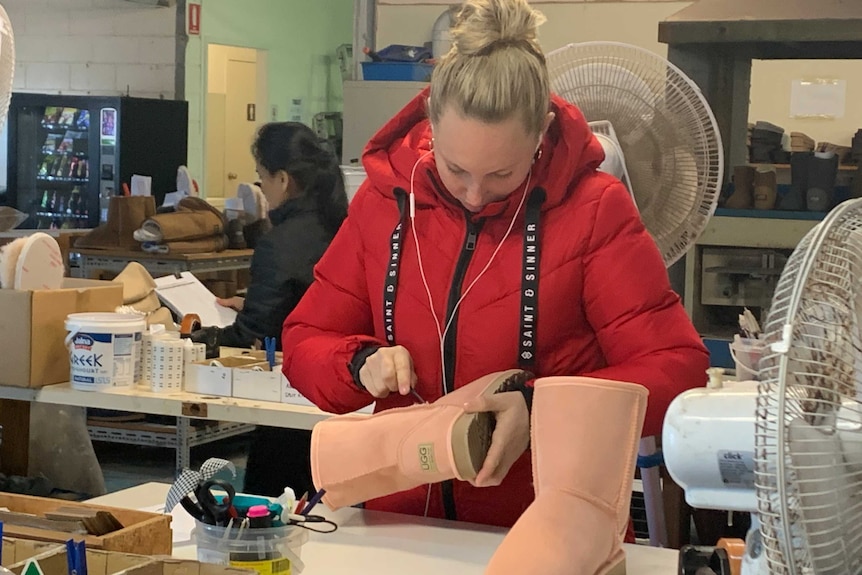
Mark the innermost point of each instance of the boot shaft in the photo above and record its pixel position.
(585, 434)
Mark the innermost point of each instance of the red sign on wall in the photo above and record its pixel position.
(194, 19)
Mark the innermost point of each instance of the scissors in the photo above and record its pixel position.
(211, 509)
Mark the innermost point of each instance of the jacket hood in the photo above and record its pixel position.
(569, 150)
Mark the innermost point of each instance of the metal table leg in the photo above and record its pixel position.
(184, 459)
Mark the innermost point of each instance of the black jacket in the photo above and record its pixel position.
(281, 270)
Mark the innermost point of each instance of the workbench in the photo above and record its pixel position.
(92, 261)
(386, 543)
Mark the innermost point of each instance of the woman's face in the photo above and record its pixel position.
(482, 163)
(274, 186)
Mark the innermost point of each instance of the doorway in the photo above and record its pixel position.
(236, 102)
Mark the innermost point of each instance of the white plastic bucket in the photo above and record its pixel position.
(104, 349)
(747, 353)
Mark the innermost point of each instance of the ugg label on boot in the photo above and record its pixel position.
(426, 458)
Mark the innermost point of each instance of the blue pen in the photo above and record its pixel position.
(269, 343)
(313, 501)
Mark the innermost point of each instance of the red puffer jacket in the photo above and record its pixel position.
(605, 306)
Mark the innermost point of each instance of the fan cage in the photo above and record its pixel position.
(668, 133)
(808, 434)
(7, 64)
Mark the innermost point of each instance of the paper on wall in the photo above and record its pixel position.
(142, 185)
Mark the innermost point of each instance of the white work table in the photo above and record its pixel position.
(389, 543)
(185, 406)
(180, 404)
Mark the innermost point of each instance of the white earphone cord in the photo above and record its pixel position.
(442, 334)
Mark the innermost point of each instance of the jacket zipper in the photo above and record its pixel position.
(449, 343)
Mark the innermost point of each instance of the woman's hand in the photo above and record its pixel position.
(235, 302)
(388, 370)
(511, 434)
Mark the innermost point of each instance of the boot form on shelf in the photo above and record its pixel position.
(356, 458)
(795, 198)
(822, 173)
(106, 235)
(742, 197)
(765, 188)
(585, 434)
(125, 215)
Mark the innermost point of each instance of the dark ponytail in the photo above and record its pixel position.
(295, 148)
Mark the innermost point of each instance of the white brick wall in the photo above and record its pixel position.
(94, 47)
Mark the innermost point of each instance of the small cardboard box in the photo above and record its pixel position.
(99, 562)
(172, 566)
(207, 379)
(53, 561)
(142, 532)
(257, 381)
(32, 328)
(18, 550)
(290, 395)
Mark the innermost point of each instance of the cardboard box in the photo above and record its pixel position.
(172, 566)
(54, 562)
(206, 379)
(32, 328)
(291, 395)
(99, 562)
(265, 385)
(142, 532)
(18, 550)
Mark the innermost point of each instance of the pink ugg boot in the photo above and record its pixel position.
(356, 458)
(585, 434)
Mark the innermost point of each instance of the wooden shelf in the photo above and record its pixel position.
(841, 168)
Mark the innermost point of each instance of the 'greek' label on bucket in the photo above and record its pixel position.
(103, 359)
(267, 567)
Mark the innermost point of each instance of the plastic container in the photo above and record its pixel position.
(104, 349)
(269, 551)
(746, 354)
(400, 71)
(353, 178)
(441, 36)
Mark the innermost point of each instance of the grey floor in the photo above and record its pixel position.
(128, 465)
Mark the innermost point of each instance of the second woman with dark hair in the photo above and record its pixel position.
(304, 188)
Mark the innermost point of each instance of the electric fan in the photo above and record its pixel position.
(7, 63)
(789, 447)
(659, 134)
(9, 217)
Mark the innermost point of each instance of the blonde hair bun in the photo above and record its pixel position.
(482, 25)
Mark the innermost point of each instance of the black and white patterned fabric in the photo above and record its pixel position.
(189, 479)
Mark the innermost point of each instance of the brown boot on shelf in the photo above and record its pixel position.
(765, 188)
(134, 210)
(125, 215)
(194, 219)
(742, 197)
(106, 235)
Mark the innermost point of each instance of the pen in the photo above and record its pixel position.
(313, 501)
(300, 505)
